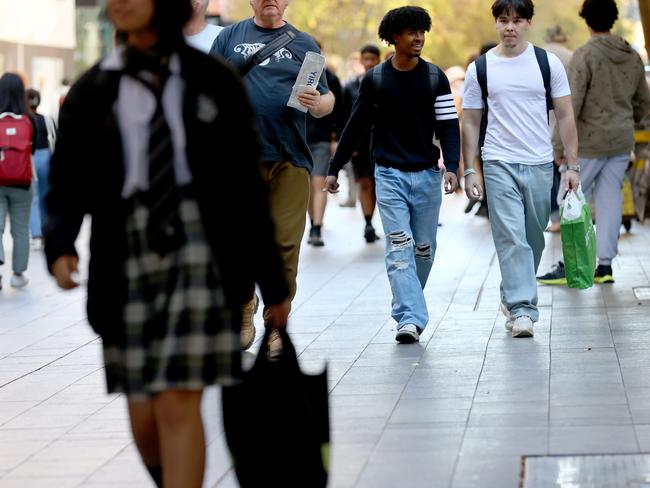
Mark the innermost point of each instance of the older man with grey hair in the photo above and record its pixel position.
(198, 33)
(287, 161)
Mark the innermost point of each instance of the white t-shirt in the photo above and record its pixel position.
(203, 40)
(518, 130)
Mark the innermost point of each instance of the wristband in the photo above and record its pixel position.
(469, 171)
(573, 167)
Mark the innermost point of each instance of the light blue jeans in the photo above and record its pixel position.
(17, 204)
(519, 198)
(409, 207)
(42, 163)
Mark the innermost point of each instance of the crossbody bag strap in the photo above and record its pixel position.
(267, 51)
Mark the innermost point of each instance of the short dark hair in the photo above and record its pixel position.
(523, 8)
(371, 49)
(34, 98)
(600, 15)
(399, 19)
(12, 94)
(169, 19)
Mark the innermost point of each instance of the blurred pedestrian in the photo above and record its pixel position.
(556, 43)
(610, 95)
(172, 260)
(361, 161)
(514, 88)
(198, 33)
(322, 134)
(404, 101)
(17, 142)
(44, 146)
(287, 161)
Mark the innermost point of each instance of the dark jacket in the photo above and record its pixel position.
(87, 176)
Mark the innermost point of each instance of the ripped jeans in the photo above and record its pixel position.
(409, 206)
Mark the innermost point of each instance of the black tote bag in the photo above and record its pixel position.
(277, 422)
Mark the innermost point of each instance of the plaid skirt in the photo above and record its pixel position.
(178, 331)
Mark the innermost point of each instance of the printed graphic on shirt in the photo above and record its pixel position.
(445, 107)
(247, 50)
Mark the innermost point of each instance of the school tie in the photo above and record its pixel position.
(164, 228)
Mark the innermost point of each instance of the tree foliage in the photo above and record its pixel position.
(459, 27)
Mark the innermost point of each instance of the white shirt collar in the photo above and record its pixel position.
(115, 61)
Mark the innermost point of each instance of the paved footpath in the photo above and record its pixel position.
(457, 410)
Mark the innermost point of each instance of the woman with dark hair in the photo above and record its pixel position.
(15, 200)
(174, 252)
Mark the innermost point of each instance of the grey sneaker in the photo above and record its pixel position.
(509, 319)
(18, 281)
(408, 334)
(522, 327)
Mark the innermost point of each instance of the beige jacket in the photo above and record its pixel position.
(609, 93)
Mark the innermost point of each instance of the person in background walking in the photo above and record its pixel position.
(610, 95)
(198, 33)
(16, 201)
(172, 260)
(556, 43)
(362, 166)
(322, 134)
(44, 146)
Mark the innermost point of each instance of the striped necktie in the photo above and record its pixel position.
(164, 227)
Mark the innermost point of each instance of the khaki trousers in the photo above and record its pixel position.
(288, 201)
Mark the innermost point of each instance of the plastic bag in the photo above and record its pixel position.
(578, 241)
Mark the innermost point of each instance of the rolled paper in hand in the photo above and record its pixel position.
(308, 77)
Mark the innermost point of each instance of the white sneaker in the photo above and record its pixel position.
(506, 313)
(18, 281)
(408, 334)
(522, 327)
(38, 244)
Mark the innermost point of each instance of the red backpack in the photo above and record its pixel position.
(16, 133)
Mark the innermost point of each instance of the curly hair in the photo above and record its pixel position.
(399, 19)
(523, 8)
(600, 15)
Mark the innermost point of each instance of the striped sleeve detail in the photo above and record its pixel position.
(445, 107)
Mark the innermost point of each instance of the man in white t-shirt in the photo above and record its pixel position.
(517, 154)
(198, 33)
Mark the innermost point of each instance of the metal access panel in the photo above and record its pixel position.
(601, 471)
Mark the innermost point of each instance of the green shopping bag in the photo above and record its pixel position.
(578, 241)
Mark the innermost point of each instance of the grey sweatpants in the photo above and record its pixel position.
(603, 178)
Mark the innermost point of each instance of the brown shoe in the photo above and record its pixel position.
(275, 345)
(247, 334)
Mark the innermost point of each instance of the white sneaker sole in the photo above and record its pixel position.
(524, 332)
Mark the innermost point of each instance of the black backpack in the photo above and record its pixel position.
(378, 76)
(481, 75)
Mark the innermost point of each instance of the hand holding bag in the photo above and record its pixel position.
(277, 422)
(578, 240)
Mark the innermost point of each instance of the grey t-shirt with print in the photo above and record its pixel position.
(283, 130)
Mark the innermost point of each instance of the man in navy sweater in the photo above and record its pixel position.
(406, 101)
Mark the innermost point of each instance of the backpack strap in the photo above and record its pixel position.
(545, 68)
(377, 79)
(481, 77)
(434, 78)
